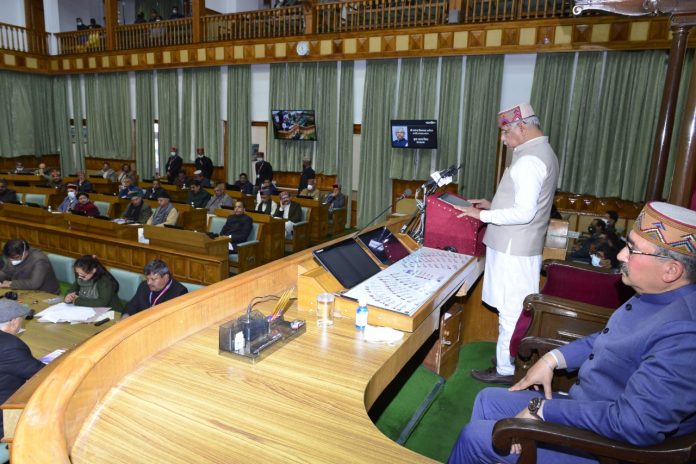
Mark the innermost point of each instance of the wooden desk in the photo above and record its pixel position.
(124, 254)
(19, 180)
(42, 338)
(154, 389)
(30, 213)
(187, 240)
(271, 231)
(102, 227)
(248, 200)
(99, 184)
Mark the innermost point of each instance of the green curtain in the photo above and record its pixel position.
(344, 139)
(416, 99)
(78, 132)
(374, 187)
(27, 99)
(551, 91)
(482, 89)
(679, 113)
(327, 112)
(612, 122)
(144, 124)
(107, 98)
(450, 111)
(292, 87)
(238, 121)
(61, 124)
(201, 120)
(168, 115)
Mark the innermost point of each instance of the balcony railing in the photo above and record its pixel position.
(488, 11)
(21, 39)
(369, 15)
(321, 18)
(278, 22)
(86, 41)
(154, 34)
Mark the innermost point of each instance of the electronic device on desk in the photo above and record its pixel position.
(170, 226)
(33, 205)
(212, 234)
(232, 188)
(306, 197)
(253, 336)
(384, 245)
(226, 207)
(102, 217)
(76, 213)
(347, 261)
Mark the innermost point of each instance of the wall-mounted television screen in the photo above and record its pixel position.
(414, 133)
(294, 125)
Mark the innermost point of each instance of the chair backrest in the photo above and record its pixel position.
(128, 282)
(20, 197)
(305, 213)
(63, 267)
(586, 284)
(37, 198)
(103, 207)
(215, 224)
(192, 287)
(254, 231)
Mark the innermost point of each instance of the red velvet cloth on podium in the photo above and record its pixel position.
(444, 229)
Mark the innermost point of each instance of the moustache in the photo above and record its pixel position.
(624, 268)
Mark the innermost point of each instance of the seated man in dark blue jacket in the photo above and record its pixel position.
(159, 286)
(237, 227)
(636, 377)
(17, 364)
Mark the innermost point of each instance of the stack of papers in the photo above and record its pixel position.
(64, 312)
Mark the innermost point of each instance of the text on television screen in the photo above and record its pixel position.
(414, 133)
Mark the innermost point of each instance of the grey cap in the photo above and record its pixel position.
(11, 310)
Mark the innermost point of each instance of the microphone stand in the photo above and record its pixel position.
(362, 229)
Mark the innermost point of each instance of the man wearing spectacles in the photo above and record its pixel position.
(636, 376)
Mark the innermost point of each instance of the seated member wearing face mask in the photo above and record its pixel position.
(70, 200)
(26, 268)
(310, 190)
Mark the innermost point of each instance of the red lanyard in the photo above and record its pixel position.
(164, 290)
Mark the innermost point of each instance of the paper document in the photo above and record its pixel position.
(64, 312)
(51, 356)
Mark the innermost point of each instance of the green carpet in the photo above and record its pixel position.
(438, 429)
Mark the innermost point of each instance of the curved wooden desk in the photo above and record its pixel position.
(153, 389)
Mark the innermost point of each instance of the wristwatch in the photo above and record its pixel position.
(534, 406)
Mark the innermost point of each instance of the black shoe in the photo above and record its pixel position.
(494, 360)
(490, 375)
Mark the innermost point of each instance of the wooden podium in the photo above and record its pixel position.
(187, 240)
(102, 227)
(31, 213)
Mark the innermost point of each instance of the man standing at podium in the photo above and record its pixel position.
(517, 220)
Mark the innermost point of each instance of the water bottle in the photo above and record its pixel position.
(361, 315)
(49, 208)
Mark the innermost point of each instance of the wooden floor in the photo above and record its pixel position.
(244, 412)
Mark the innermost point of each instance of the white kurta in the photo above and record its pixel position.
(508, 279)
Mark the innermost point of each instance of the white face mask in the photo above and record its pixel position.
(172, 153)
(595, 260)
(310, 187)
(259, 159)
(71, 194)
(16, 262)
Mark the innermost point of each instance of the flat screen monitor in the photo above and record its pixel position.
(413, 133)
(347, 261)
(296, 125)
(384, 245)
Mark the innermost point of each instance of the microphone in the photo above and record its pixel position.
(444, 177)
(406, 193)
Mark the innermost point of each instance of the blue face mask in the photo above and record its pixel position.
(595, 260)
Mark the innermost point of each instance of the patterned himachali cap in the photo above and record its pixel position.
(669, 226)
(515, 114)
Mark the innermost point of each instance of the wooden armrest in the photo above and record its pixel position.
(564, 307)
(529, 345)
(529, 432)
(584, 266)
